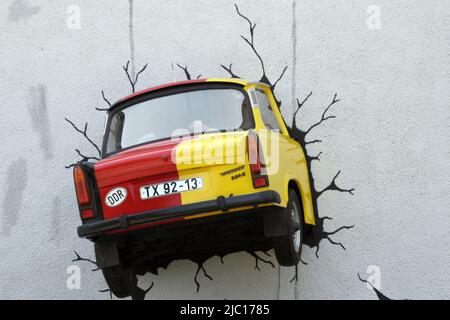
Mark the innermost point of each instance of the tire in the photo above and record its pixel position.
(122, 281)
(288, 248)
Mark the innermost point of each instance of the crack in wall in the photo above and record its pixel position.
(379, 294)
(313, 239)
(187, 73)
(138, 294)
(133, 80)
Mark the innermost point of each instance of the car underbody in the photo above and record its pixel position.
(199, 239)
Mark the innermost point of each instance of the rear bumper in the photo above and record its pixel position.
(221, 203)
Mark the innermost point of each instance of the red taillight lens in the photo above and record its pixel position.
(81, 186)
(87, 214)
(261, 182)
(253, 153)
(255, 158)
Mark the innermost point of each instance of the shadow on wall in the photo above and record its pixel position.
(55, 230)
(37, 107)
(312, 240)
(16, 182)
(21, 10)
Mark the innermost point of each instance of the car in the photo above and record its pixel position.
(190, 170)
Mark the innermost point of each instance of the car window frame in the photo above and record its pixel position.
(167, 92)
(275, 109)
(266, 113)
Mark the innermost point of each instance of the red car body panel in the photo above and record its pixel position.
(164, 86)
(145, 165)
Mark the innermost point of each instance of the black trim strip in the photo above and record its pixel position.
(94, 194)
(96, 228)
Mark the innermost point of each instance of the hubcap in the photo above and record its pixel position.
(295, 216)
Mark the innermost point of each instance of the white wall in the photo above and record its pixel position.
(390, 138)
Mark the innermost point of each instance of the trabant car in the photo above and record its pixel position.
(190, 170)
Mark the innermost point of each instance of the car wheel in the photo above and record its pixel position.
(288, 248)
(122, 281)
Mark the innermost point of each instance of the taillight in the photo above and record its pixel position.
(256, 161)
(81, 186)
(254, 153)
(87, 214)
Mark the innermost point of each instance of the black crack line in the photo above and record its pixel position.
(334, 186)
(79, 258)
(300, 135)
(139, 294)
(295, 277)
(230, 71)
(259, 258)
(200, 267)
(250, 40)
(324, 117)
(84, 133)
(320, 234)
(107, 102)
(186, 72)
(133, 79)
(108, 291)
(380, 295)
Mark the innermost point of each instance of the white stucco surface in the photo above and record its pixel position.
(390, 138)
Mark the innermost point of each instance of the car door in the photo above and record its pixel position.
(277, 148)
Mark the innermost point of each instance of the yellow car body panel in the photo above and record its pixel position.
(208, 156)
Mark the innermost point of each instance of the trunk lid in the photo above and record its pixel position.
(165, 161)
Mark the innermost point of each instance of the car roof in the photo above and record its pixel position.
(177, 84)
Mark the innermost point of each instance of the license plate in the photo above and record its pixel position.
(170, 187)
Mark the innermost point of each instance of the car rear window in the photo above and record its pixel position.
(178, 114)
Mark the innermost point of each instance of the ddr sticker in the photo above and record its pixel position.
(115, 197)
